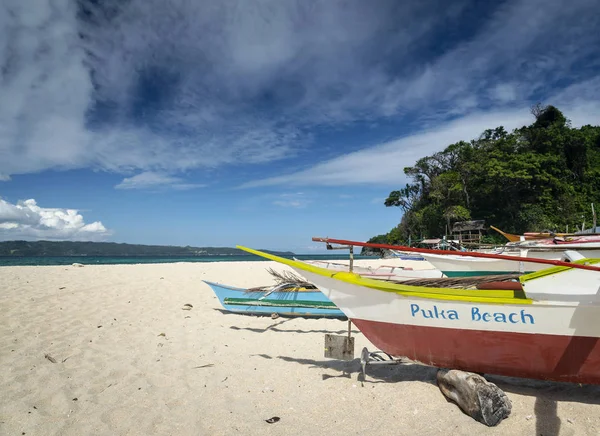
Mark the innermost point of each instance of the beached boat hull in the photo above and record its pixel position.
(464, 266)
(548, 329)
(306, 303)
(534, 236)
(542, 341)
(549, 357)
(584, 244)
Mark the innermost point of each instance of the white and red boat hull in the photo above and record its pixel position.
(540, 356)
(452, 265)
(543, 340)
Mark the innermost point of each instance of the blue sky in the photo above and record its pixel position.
(262, 122)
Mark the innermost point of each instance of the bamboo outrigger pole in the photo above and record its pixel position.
(458, 253)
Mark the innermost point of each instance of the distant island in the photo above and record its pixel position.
(113, 249)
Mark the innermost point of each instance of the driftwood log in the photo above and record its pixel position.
(478, 398)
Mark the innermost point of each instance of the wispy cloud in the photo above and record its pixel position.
(29, 221)
(154, 86)
(295, 200)
(579, 102)
(150, 180)
(384, 163)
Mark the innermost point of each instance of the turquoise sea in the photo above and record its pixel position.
(106, 260)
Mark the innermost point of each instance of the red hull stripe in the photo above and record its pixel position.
(546, 357)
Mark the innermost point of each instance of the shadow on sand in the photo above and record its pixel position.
(275, 328)
(392, 373)
(271, 328)
(547, 394)
(280, 315)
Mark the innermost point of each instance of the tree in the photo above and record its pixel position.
(456, 213)
(538, 177)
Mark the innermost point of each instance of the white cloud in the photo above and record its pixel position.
(60, 74)
(578, 103)
(504, 92)
(384, 163)
(290, 203)
(27, 220)
(295, 200)
(150, 180)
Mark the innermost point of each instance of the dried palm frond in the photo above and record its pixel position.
(291, 278)
(285, 282)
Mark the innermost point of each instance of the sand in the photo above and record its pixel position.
(130, 361)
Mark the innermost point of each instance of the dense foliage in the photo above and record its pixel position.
(539, 177)
(70, 248)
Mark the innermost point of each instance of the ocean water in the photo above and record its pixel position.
(106, 260)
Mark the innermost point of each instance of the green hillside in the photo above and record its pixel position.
(539, 177)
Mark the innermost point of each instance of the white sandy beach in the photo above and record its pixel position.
(130, 361)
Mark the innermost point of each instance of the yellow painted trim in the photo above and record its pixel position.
(554, 269)
(509, 236)
(499, 296)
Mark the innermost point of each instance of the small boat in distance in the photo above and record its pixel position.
(527, 236)
(533, 236)
(587, 245)
(283, 299)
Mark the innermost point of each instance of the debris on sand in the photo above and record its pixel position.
(478, 398)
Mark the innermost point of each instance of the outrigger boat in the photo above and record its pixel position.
(528, 236)
(546, 325)
(550, 238)
(286, 299)
(452, 265)
(587, 246)
(383, 272)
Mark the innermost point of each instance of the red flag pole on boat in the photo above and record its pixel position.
(457, 253)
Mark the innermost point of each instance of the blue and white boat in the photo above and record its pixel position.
(284, 299)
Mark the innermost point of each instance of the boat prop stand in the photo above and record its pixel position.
(342, 347)
(375, 358)
(350, 268)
